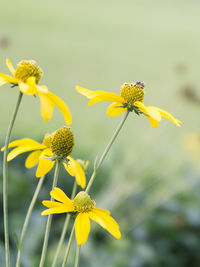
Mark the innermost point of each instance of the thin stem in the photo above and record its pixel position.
(27, 218)
(106, 151)
(5, 180)
(77, 255)
(48, 226)
(68, 247)
(67, 219)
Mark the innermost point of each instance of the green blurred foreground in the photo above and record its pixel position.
(148, 181)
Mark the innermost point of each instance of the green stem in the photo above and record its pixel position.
(48, 226)
(27, 218)
(77, 255)
(5, 180)
(106, 152)
(68, 247)
(67, 219)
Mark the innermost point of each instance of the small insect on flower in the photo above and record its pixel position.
(84, 208)
(131, 99)
(27, 76)
(58, 145)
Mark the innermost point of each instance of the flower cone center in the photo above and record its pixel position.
(62, 142)
(83, 203)
(26, 69)
(132, 92)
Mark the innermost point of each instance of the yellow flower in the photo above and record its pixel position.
(27, 76)
(43, 155)
(131, 99)
(85, 209)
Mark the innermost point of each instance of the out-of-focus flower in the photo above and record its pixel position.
(85, 209)
(131, 99)
(26, 77)
(56, 145)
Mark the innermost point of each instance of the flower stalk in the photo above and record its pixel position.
(5, 180)
(66, 223)
(68, 247)
(77, 255)
(27, 218)
(106, 152)
(48, 226)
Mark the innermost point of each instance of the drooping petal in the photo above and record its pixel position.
(29, 87)
(86, 92)
(106, 221)
(32, 159)
(4, 78)
(23, 142)
(168, 116)
(115, 109)
(42, 88)
(44, 166)
(59, 208)
(51, 204)
(105, 96)
(154, 123)
(10, 66)
(103, 211)
(61, 106)
(47, 106)
(75, 169)
(22, 149)
(153, 113)
(82, 228)
(59, 195)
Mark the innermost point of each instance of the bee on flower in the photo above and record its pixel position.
(58, 145)
(84, 208)
(27, 76)
(130, 99)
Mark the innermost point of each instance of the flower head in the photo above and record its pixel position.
(85, 209)
(44, 155)
(131, 99)
(26, 77)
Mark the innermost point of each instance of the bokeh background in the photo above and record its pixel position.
(150, 179)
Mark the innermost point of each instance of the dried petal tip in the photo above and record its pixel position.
(62, 142)
(26, 69)
(133, 92)
(83, 203)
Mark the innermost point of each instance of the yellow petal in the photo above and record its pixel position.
(32, 159)
(104, 96)
(88, 93)
(103, 211)
(10, 67)
(29, 87)
(23, 142)
(75, 169)
(168, 116)
(7, 79)
(61, 106)
(141, 106)
(59, 195)
(47, 106)
(51, 204)
(154, 123)
(82, 228)
(42, 89)
(153, 113)
(22, 149)
(115, 109)
(44, 166)
(106, 221)
(59, 209)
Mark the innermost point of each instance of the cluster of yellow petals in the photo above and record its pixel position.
(30, 87)
(119, 106)
(82, 221)
(41, 154)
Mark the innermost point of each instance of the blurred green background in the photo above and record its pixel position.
(149, 180)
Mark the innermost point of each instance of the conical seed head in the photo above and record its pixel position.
(62, 142)
(132, 92)
(83, 203)
(26, 69)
